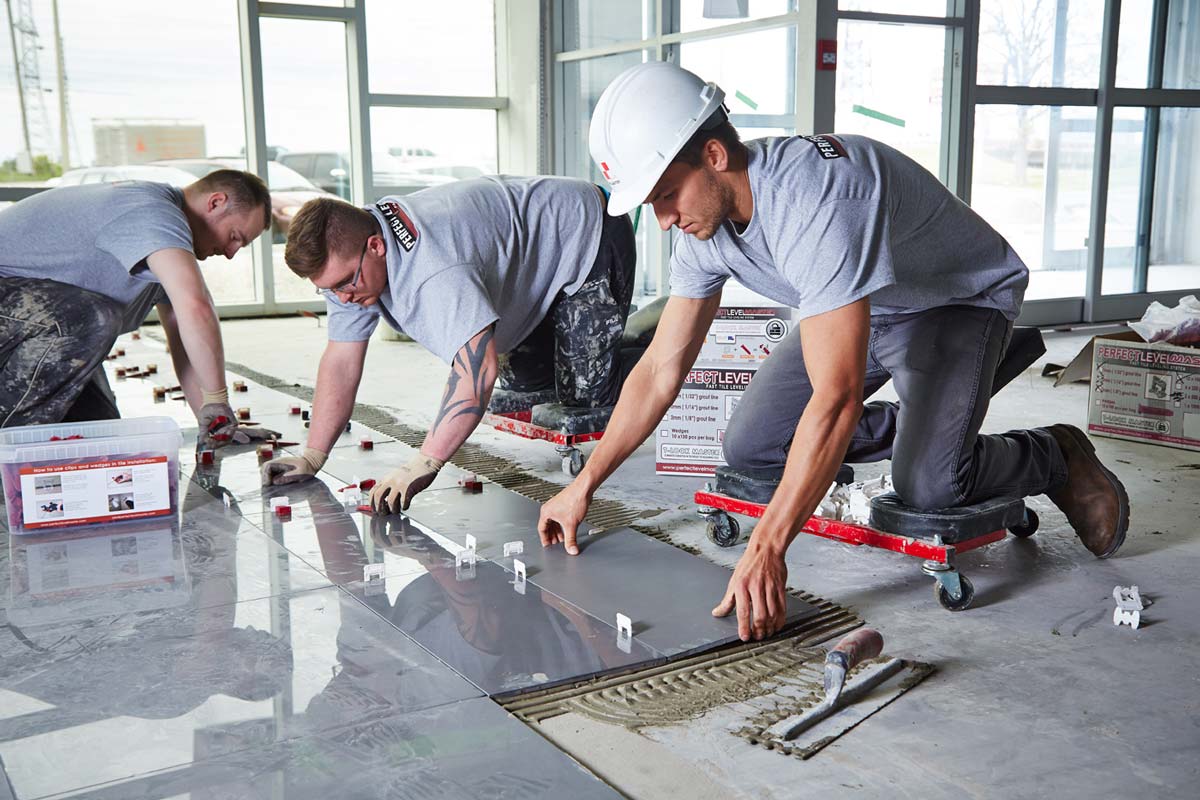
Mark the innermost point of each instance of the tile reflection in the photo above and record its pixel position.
(500, 639)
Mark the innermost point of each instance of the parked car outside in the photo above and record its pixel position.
(126, 172)
(331, 171)
(289, 189)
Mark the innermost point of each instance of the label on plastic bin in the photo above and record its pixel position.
(104, 491)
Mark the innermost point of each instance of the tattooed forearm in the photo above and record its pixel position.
(469, 371)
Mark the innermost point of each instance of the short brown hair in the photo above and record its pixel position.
(692, 153)
(244, 189)
(322, 226)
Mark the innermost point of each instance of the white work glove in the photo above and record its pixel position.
(244, 434)
(396, 491)
(293, 469)
(214, 431)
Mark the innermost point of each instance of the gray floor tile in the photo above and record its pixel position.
(493, 517)
(667, 593)
(502, 640)
(108, 700)
(211, 558)
(471, 749)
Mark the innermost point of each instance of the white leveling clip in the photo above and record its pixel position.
(624, 633)
(519, 572)
(1129, 606)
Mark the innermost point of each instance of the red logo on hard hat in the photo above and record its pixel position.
(604, 169)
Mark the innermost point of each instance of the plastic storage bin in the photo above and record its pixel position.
(88, 473)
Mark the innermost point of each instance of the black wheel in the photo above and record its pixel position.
(948, 603)
(723, 530)
(1028, 527)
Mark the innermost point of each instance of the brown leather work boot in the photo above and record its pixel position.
(1093, 498)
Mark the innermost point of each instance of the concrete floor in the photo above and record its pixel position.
(1036, 694)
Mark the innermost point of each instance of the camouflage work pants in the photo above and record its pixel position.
(53, 338)
(576, 349)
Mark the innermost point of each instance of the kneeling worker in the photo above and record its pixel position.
(893, 278)
(525, 279)
(81, 264)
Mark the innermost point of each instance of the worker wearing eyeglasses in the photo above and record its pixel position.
(521, 282)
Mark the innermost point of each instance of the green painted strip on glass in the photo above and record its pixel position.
(879, 115)
(746, 100)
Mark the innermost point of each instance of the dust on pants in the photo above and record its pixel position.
(576, 350)
(53, 337)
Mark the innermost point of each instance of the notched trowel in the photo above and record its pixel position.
(852, 650)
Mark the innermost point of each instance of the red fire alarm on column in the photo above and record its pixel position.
(827, 54)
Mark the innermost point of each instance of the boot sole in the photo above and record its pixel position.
(1122, 497)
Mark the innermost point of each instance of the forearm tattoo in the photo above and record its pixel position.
(472, 369)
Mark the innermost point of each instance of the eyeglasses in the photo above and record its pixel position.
(351, 284)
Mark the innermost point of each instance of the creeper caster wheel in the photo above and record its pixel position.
(1028, 526)
(722, 529)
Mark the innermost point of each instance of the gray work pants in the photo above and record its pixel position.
(53, 338)
(576, 349)
(942, 362)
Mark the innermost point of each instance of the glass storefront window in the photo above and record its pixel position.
(757, 72)
(147, 82)
(889, 86)
(698, 15)
(602, 23)
(444, 47)
(1032, 181)
(414, 148)
(1044, 44)
(306, 105)
(1174, 234)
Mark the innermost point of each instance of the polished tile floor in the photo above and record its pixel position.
(228, 652)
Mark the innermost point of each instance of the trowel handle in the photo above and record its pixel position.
(863, 644)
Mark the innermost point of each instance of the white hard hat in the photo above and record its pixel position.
(641, 122)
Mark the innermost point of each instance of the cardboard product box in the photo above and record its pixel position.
(689, 438)
(1144, 392)
(747, 328)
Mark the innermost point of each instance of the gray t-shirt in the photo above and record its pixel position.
(838, 218)
(464, 255)
(96, 237)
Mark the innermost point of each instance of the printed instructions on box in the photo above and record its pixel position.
(691, 435)
(1146, 392)
(77, 494)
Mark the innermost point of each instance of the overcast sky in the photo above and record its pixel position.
(180, 59)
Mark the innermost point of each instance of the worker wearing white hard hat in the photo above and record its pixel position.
(893, 278)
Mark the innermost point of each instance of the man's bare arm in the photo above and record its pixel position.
(465, 399)
(199, 329)
(179, 358)
(647, 394)
(468, 389)
(835, 352)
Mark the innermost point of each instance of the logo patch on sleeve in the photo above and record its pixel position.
(827, 146)
(402, 228)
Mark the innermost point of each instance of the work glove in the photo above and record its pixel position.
(396, 491)
(216, 419)
(244, 434)
(293, 469)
